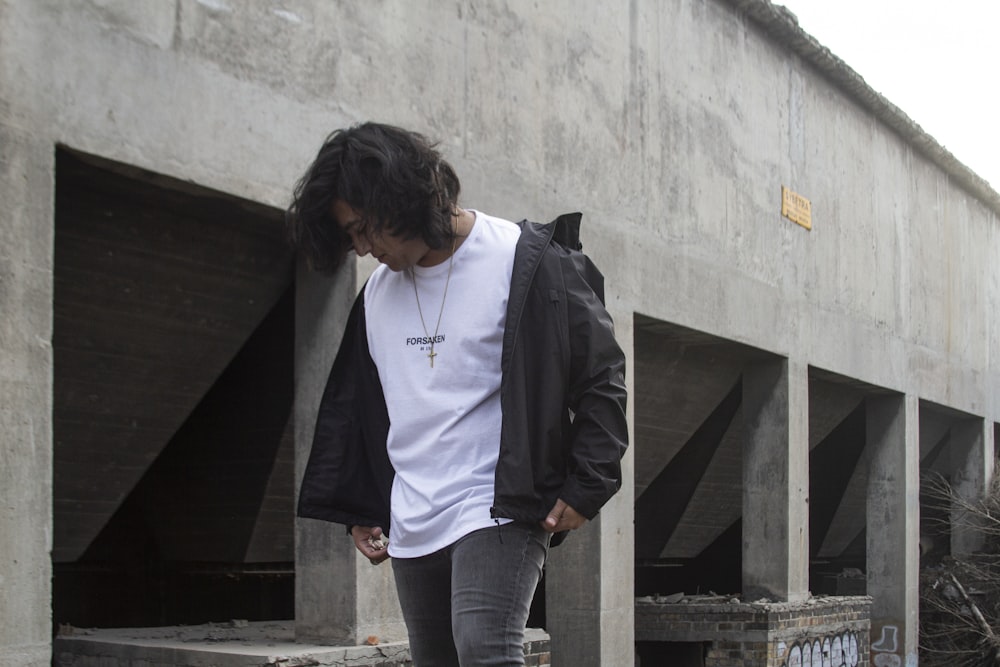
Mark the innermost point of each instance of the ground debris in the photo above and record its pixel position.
(696, 598)
(294, 661)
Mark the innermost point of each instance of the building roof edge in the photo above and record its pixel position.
(781, 24)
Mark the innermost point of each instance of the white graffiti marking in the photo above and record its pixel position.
(837, 651)
(887, 642)
(885, 648)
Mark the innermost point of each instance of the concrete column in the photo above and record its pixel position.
(26, 284)
(590, 578)
(776, 481)
(590, 590)
(972, 462)
(893, 519)
(340, 598)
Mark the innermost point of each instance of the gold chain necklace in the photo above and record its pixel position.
(447, 281)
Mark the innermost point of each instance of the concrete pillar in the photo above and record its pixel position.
(340, 598)
(972, 464)
(893, 518)
(590, 590)
(26, 284)
(590, 578)
(776, 481)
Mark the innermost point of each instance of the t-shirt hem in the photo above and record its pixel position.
(432, 547)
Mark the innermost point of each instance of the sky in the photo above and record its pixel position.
(937, 61)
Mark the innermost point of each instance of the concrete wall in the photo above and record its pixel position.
(672, 125)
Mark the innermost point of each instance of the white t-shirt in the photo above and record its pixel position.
(444, 433)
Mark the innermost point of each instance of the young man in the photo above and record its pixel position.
(476, 406)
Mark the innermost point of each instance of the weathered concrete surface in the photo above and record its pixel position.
(237, 644)
(672, 125)
(776, 481)
(339, 597)
(893, 506)
(974, 459)
(25, 383)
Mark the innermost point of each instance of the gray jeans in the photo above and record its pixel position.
(468, 603)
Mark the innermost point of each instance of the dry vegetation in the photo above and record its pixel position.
(960, 597)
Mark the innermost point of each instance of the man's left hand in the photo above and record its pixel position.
(562, 517)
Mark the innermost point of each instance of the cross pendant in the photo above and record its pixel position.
(431, 355)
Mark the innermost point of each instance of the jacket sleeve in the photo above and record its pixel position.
(597, 395)
(341, 482)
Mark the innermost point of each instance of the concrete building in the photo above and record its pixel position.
(805, 284)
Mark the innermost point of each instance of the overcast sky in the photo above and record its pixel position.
(937, 61)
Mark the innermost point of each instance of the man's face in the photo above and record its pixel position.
(396, 253)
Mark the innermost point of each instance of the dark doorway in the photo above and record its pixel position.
(173, 344)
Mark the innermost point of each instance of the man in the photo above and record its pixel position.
(476, 406)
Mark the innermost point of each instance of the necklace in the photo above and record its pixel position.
(413, 277)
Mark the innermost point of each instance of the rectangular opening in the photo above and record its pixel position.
(173, 458)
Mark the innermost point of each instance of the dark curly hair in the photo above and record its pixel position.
(395, 178)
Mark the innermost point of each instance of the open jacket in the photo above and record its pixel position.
(562, 398)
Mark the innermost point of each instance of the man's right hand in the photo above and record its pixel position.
(368, 540)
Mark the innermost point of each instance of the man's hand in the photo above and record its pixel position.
(562, 517)
(368, 540)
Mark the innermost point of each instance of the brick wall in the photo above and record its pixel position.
(821, 631)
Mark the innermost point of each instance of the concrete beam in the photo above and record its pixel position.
(26, 286)
(340, 599)
(590, 578)
(589, 591)
(972, 459)
(776, 481)
(893, 520)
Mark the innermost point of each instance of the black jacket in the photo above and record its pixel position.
(562, 397)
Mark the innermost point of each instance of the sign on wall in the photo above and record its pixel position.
(796, 208)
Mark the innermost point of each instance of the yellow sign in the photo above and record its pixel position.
(796, 208)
